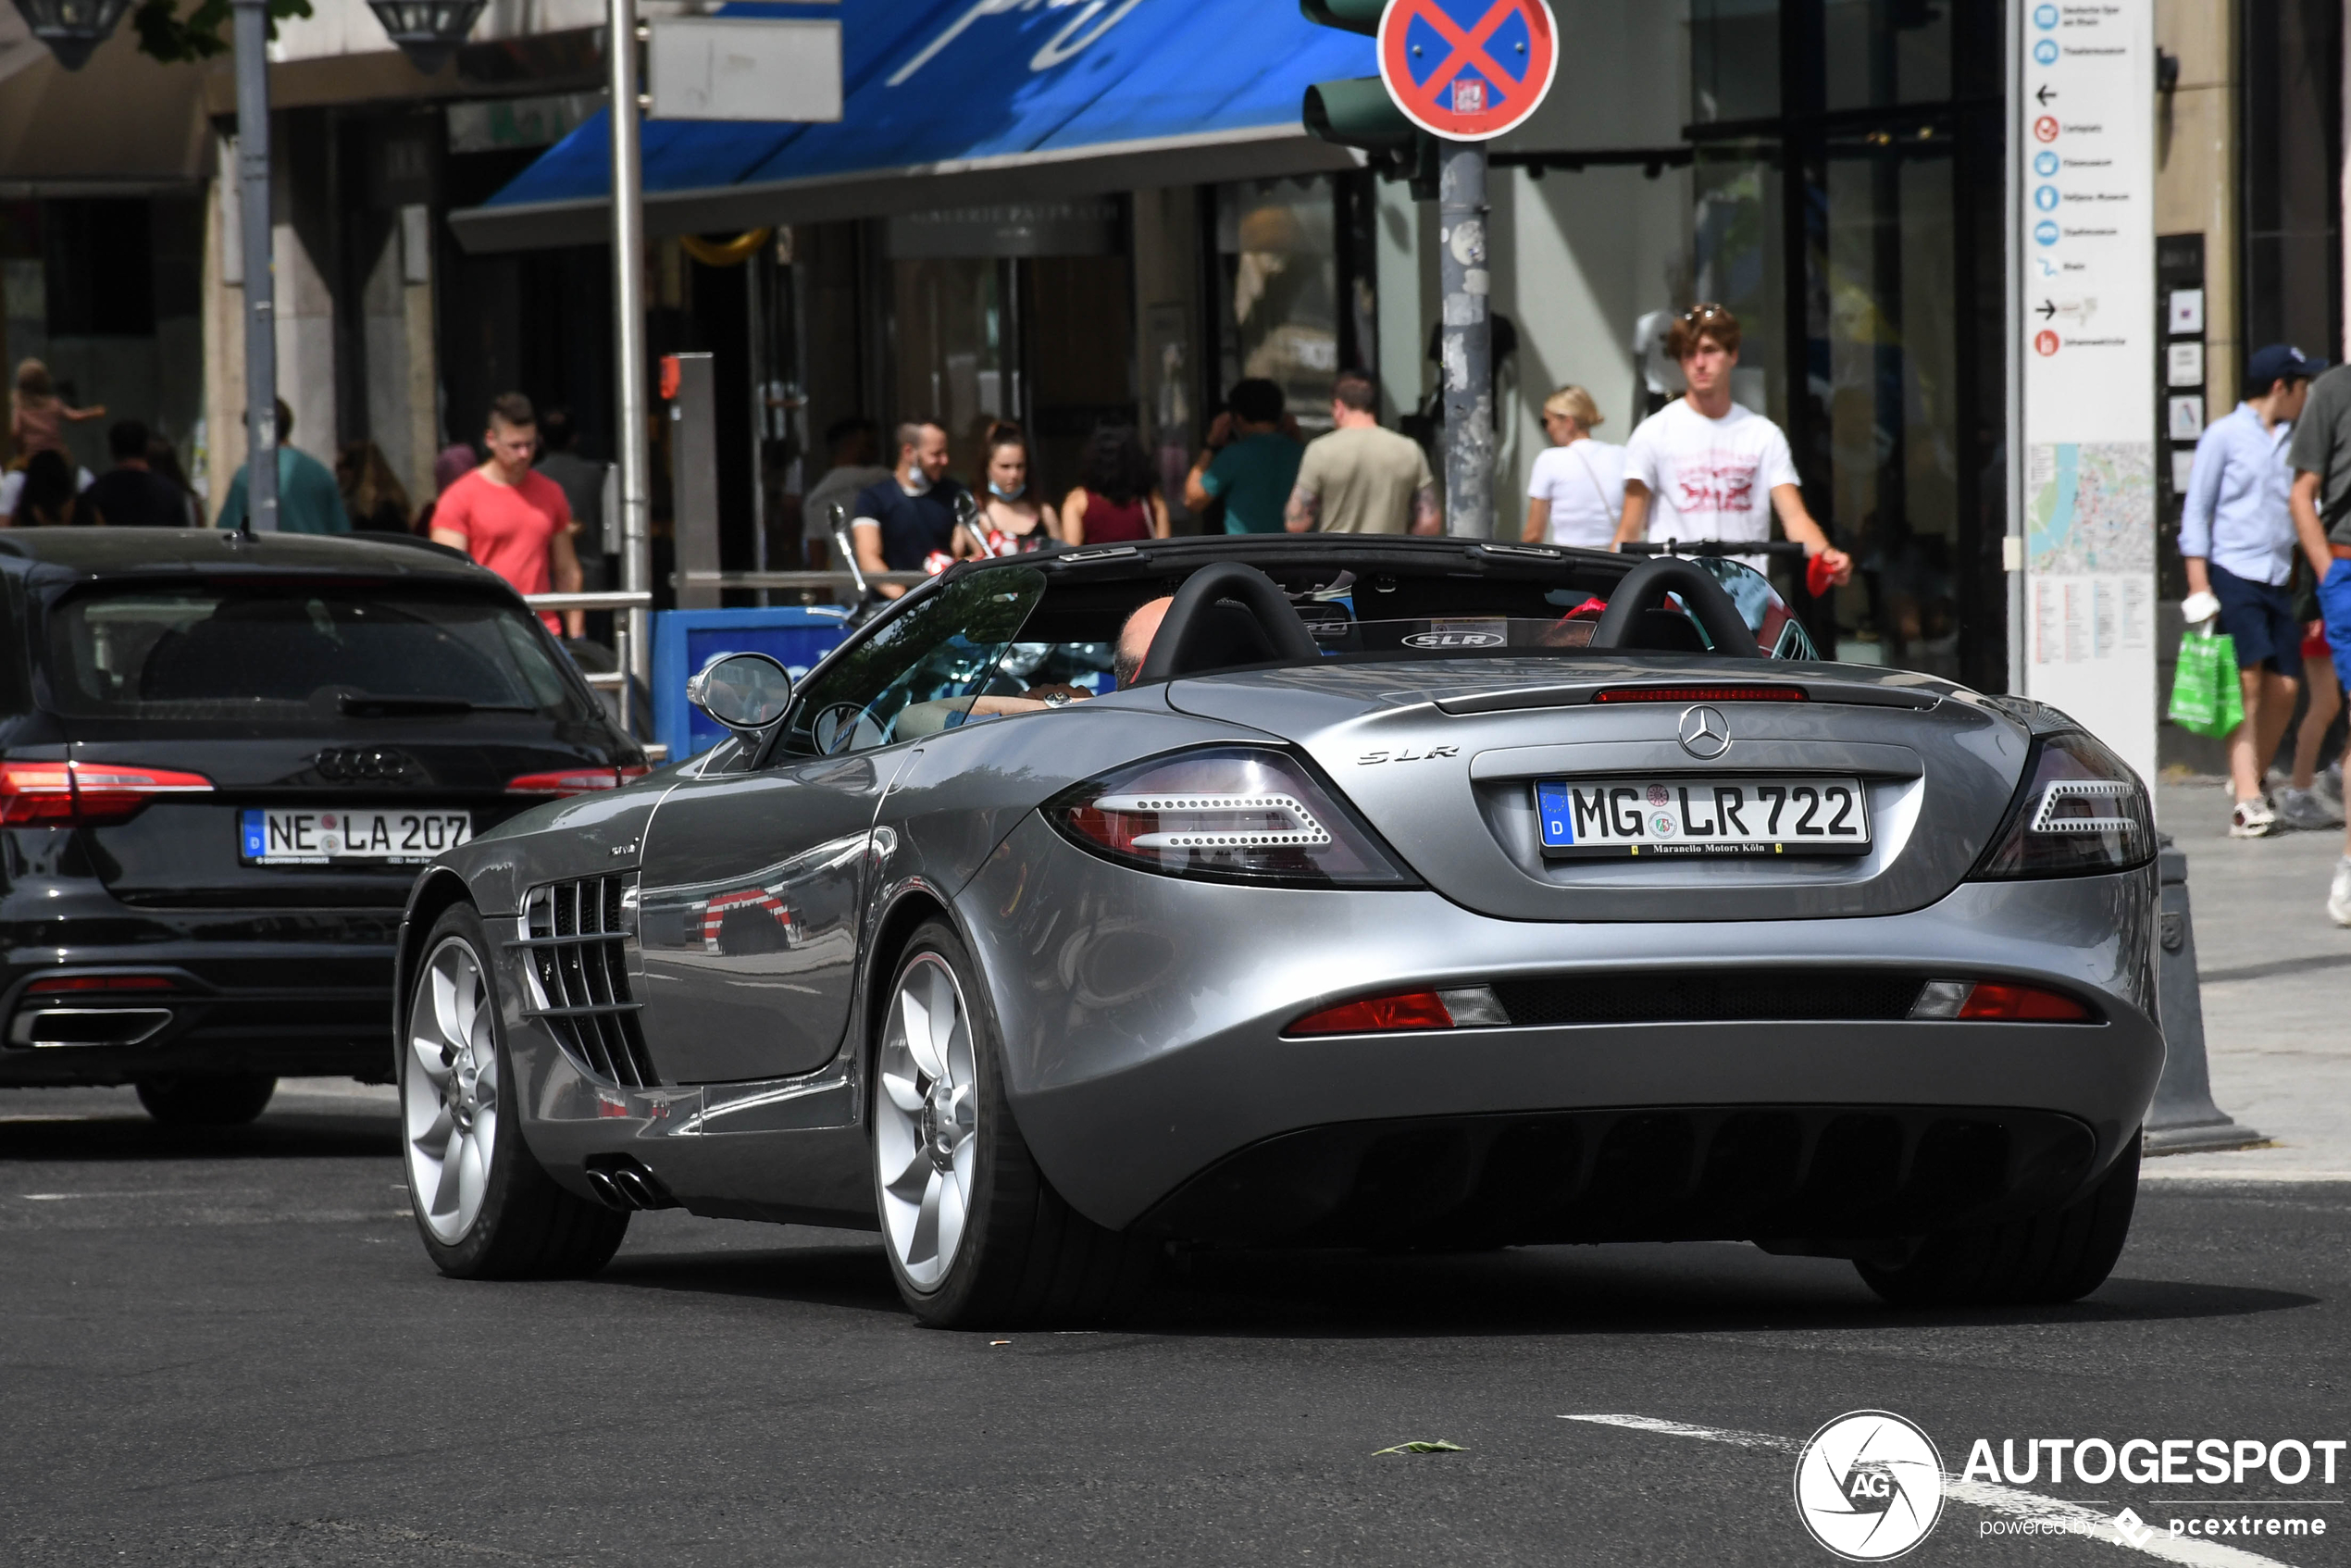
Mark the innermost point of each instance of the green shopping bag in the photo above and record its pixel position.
(2205, 697)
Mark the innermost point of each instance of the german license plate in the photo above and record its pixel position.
(326, 838)
(1617, 818)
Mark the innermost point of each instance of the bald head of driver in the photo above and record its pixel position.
(1135, 639)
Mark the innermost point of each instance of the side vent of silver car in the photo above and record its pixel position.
(575, 936)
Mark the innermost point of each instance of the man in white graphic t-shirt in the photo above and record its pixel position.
(1703, 467)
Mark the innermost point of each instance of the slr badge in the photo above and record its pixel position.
(1706, 734)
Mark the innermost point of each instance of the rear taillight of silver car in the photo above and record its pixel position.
(2080, 812)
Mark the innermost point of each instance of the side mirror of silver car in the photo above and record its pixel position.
(747, 693)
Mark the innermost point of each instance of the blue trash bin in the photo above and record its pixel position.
(686, 641)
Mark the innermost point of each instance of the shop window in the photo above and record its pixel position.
(1882, 52)
(2291, 151)
(1278, 290)
(1734, 59)
(99, 276)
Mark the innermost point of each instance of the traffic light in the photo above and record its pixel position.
(1354, 15)
(1358, 112)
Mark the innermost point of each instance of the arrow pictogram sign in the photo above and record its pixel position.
(1468, 69)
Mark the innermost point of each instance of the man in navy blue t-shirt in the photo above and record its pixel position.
(907, 522)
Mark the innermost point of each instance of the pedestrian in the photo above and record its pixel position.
(37, 415)
(1010, 521)
(2312, 796)
(454, 463)
(2236, 539)
(511, 518)
(905, 521)
(582, 481)
(1575, 494)
(373, 498)
(853, 446)
(1702, 467)
(1250, 462)
(46, 498)
(2322, 503)
(308, 500)
(163, 461)
(132, 496)
(1359, 477)
(1117, 496)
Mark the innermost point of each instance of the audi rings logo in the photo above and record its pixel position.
(363, 764)
(1706, 734)
(1868, 1485)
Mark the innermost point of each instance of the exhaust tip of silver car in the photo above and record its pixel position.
(623, 1182)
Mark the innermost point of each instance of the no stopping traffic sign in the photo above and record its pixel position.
(1467, 69)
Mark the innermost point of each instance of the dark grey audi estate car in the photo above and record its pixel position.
(222, 759)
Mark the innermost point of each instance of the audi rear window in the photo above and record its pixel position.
(209, 651)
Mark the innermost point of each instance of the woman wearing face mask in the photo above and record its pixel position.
(1011, 521)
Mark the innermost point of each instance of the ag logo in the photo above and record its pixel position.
(1868, 1485)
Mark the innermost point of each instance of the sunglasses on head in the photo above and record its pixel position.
(1698, 313)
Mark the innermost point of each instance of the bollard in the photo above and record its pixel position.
(2183, 1119)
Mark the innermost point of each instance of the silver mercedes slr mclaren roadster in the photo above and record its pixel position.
(1313, 892)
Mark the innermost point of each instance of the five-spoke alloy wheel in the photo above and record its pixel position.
(449, 1096)
(975, 1234)
(484, 1207)
(926, 1119)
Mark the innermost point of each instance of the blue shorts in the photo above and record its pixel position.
(2259, 616)
(2335, 605)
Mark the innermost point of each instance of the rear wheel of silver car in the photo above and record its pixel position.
(2039, 1259)
(210, 1099)
(975, 1234)
(484, 1207)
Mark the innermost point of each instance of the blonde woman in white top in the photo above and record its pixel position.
(1576, 492)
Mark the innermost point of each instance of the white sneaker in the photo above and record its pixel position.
(2252, 819)
(2331, 782)
(2339, 896)
(2307, 809)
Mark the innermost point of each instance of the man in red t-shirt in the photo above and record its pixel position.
(510, 517)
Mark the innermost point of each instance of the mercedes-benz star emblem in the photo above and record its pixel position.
(1706, 734)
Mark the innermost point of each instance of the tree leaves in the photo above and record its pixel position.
(164, 36)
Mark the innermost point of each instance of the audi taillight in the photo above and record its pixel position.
(66, 794)
(1227, 814)
(2081, 811)
(573, 780)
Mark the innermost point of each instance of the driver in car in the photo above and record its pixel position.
(1133, 647)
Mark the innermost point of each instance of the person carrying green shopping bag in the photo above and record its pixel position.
(2236, 539)
(2205, 698)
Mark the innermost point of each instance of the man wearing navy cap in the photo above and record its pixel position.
(2237, 537)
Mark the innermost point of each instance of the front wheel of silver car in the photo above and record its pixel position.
(483, 1206)
(974, 1232)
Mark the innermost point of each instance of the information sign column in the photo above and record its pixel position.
(2082, 143)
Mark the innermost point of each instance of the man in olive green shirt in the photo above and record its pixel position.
(1360, 478)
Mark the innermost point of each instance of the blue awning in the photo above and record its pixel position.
(964, 102)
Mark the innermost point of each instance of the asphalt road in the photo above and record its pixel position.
(231, 1349)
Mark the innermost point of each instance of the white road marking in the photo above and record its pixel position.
(2009, 1500)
